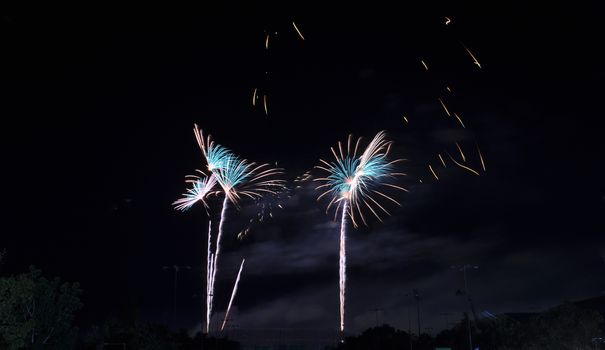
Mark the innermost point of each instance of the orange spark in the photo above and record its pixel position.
(461, 153)
(424, 64)
(460, 120)
(463, 166)
(298, 31)
(481, 158)
(473, 57)
(441, 159)
(433, 171)
(444, 107)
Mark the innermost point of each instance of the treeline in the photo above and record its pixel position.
(38, 313)
(563, 327)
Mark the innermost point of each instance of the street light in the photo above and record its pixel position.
(176, 269)
(463, 268)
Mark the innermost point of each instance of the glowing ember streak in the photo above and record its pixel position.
(444, 107)
(424, 64)
(265, 104)
(298, 31)
(267, 42)
(475, 61)
(463, 166)
(441, 159)
(433, 171)
(254, 97)
(461, 153)
(448, 89)
(405, 119)
(481, 158)
(233, 294)
(459, 120)
(447, 20)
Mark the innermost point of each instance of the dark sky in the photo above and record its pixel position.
(97, 111)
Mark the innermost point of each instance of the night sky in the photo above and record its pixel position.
(97, 112)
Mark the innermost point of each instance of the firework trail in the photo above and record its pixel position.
(298, 31)
(208, 273)
(233, 294)
(342, 265)
(353, 182)
(475, 61)
(201, 188)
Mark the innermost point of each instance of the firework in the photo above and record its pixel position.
(441, 159)
(424, 64)
(481, 158)
(237, 179)
(433, 172)
(475, 61)
(444, 107)
(298, 31)
(197, 193)
(353, 182)
(463, 166)
(459, 119)
(233, 294)
(461, 153)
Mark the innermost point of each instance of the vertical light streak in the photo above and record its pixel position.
(233, 294)
(208, 274)
(343, 263)
(210, 295)
(217, 252)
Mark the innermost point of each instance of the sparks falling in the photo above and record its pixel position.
(233, 294)
(475, 61)
(353, 182)
(298, 31)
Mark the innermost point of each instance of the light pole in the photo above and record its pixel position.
(417, 297)
(463, 268)
(376, 311)
(176, 269)
(409, 311)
